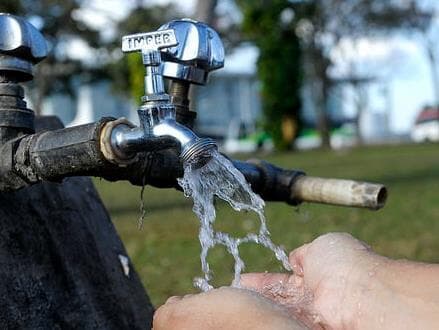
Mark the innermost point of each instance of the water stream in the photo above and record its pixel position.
(219, 178)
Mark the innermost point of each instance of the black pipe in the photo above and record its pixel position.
(70, 151)
(75, 151)
(52, 156)
(272, 183)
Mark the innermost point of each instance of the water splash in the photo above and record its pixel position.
(218, 177)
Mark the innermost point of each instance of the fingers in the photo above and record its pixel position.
(223, 309)
(173, 299)
(259, 281)
(162, 316)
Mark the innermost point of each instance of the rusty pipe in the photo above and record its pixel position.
(294, 187)
(339, 192)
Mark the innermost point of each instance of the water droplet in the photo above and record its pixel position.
(142, 205)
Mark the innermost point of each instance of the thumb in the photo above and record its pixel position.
(297, 258)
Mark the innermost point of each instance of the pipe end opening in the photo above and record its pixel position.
(381, 198)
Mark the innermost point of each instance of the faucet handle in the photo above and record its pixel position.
(199, 51)
(149, 44)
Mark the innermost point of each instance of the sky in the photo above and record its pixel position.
(400, 63)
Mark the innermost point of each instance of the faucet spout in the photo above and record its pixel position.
(192, 147)
(158, 130)
(171, 128)
(158, 121)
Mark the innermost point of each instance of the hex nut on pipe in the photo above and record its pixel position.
(106, 146)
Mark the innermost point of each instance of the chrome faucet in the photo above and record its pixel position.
(113, 148)
(199, 51)
(158, 126)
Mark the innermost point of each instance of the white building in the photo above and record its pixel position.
(229, 105)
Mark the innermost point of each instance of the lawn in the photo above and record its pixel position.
(166, 251)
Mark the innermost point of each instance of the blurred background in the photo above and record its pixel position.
(338, 88)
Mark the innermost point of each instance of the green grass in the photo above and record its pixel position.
(165, 253)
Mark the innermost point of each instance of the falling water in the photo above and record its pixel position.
(142, 208)
(218, 177)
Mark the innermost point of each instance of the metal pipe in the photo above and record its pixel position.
(339, 192)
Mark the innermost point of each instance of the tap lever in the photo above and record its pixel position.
(149, 44)
(149, 41)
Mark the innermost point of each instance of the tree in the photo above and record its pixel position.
(205, 11)
(270, 24)
(60, 24)
(324, 23)
(429, 34)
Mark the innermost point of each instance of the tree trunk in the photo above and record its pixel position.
(315, 71)
(430, 48)
(324, 125)
(361, 105)
(205, 11)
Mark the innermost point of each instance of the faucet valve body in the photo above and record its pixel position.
(158, 127)
(21, 47)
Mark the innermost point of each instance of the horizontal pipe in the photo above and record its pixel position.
(76, 151)
(339, 192)
(72, 151)
(294, 187)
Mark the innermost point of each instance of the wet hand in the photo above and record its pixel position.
(225, 309)
(338, 283)
(329, 285)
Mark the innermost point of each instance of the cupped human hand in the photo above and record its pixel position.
(329, 287)
(223, 309)
(338, 283)
(326, 290)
